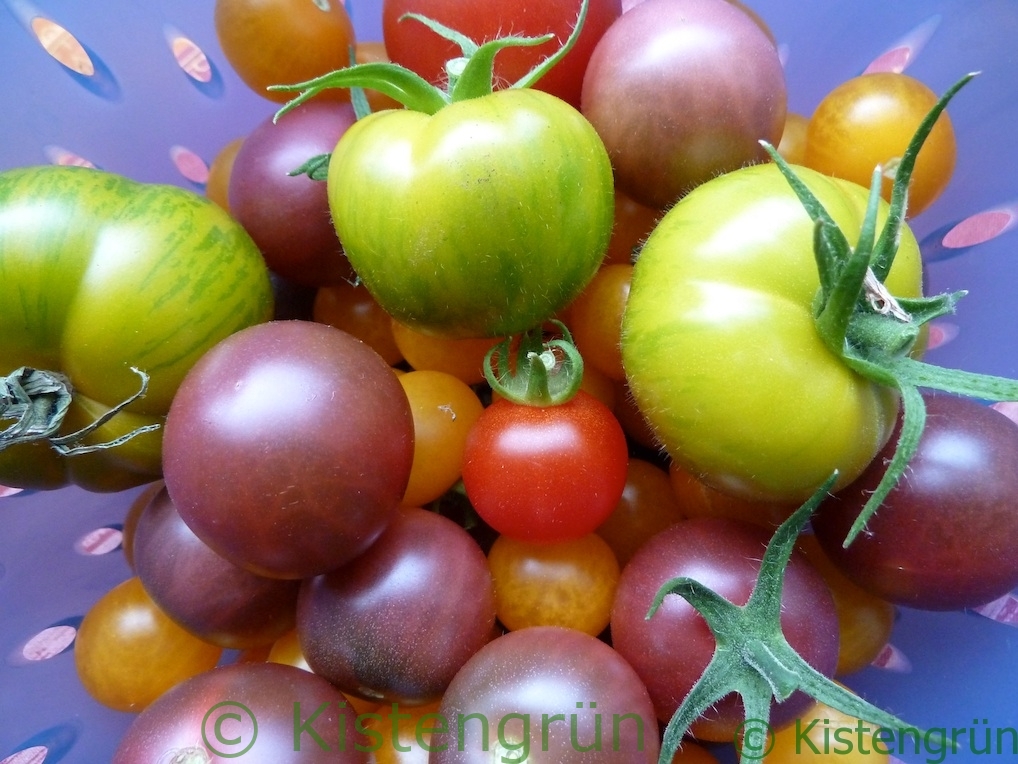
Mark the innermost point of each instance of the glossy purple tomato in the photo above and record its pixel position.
(264, 712)
(545, 695)
(681, 91)
(202, 591)
(288, 447)
(671, 649)
(946, 537)
(398, 622)
(288, 215)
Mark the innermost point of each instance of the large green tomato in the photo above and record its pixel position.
(720, 347)
(99, 274)
(480, 220)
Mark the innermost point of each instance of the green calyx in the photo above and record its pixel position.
(752, 656)
(39, 401)
(871, 330)
(544, 373)
(470, 75)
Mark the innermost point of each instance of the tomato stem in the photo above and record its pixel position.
(39, 400)
(545, 374)
(752, 656)
(470, 75)
(873, 331)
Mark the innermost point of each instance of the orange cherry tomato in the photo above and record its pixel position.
(698, 499)
(647, 507)
(565, 583)
(217, 187)
(865, 622)
(444, 409)
(793, 139)
(868, 121)
(351, 307)
(596, 319)
(633, 224)
(463, 358)
(128, 652)
(283, 42)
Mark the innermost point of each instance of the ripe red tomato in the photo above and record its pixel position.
(414, 46)
(546, 473)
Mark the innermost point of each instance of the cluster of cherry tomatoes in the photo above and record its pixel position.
(350, 492)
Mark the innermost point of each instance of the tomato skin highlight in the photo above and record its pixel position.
(406, 190)
(545, 473)
(99, 273)
(720, 346)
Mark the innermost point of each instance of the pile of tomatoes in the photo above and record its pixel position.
(476, 362)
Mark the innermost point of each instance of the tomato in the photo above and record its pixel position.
(567, 583)
(633, 223)
(275, 713)
(697, 499)
(350, 307)
(444, 410)
(424, 52)
(868, 121)
(545, 473)
(546, 695)
(681, 91)
(278, 42)
(825, 735)
(595, 319)
(288, 448)
(400, 734)
(398, 622)
(865, 621)
(209, 596)
(943, 539)
(646, 508)
(128, 652)
(793, 139)
(461, 358)
(671, 649)
(217, 187)
(287, 214)
(99, 274)
(721, 349)
(404, 184)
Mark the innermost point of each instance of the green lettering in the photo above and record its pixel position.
(802, 735)
(299, 727)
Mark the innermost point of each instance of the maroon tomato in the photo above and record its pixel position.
(671, 649)
(288, 448)
(203, 592)
(681, 91)
(414, 46)
(397, 623)
(288, 215)
(546, 473)
(945, 537)
(546, 695)
(273, 713)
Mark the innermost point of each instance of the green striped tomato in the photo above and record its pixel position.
(99, 274)
(480, 220)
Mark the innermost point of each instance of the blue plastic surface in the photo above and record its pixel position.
(951, 670)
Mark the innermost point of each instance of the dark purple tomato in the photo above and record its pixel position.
(265, 712)
(288, 216)
(397, 623)
(287, 448)
(545, 695)
(671, 650)
(681, 91)
(946, 536)
(203, 592)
